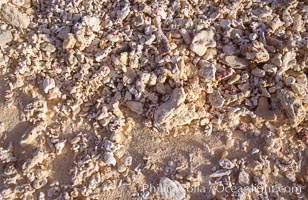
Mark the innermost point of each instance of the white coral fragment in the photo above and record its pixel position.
(202, 41)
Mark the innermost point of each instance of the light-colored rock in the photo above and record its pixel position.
(18, 3)
(48, 84)
(109, 159)
(69, 41)
(14, 17)
(59, 146)
(243, 178)
(255, 51)
(38, 158)
(288, 61)
(216, 99)
(292, 106)
(116, 137)
(92, 22)
(208, 72)
(5, 37)
(236, 62)
(202, 41)
(165, 110)
(48, 47)
(174, 112)
(135, 106)
(32, 134)
(171, 190)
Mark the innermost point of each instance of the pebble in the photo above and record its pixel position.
(216, 99)
(48, 84)
(48, 47)
(208, 72)
(69, 41)
(135, 106)
(14, 17)
(292, 106)
(236, 62)
(109, 159)
(258, 72)
(171, 189)
(5, 37)
(243, 178)
(202, 41)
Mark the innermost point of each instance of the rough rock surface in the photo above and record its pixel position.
(174, 112)
(202, 41)
(5, 37)
(292, 106)
(14, 17)
(236, 62)
(171, 190)
(216, 99)
(135, 106)
(208, 72)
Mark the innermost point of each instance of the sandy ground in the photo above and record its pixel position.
(83, 60)
(189, 149)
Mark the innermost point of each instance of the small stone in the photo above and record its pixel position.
(92, 23)
(202, 41)
(243, 178)
(69, 41)
(255, 51)
(269, 68)
(48, 47)
(14, 17)
(5, 37)
(113, 38)
(59, 146)
(208, 72)
(258, 72)
(236, 62)
(233, 78)
(48, 84)
(293, 107)
(109, 159)
(122, 168)
(302, 80)
(225, 23)
(216, 99)
(208, 129)
(220, 173)
(170, 189)
(291, 176)
(186, 37)
(135, 106)
(18, 2)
